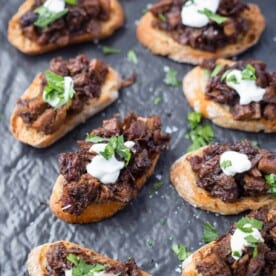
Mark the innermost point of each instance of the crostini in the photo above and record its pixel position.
(190, 31)
(63, 97)
(45, 25)
(238, 95)
(108, 171)
(227, 179)
(247, 249)
(70, 259)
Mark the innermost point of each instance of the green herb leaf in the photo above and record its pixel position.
(255, 144)
(271, 181)
(225, 74)
(217, 69)
(157, 100)
(246, 224)
(207, 72)
(213, 17)
(132, 57)
(194, 119)
(109, 51)
(47, 17)
(251, 239)
(71, 2)
(95, 139)
(150, 243)
(236, 254)
(157, 185)
(162, 221)
(226, 164)
(171, 77)
(81, 268)
(232, 78)
(162, 17)
(249, 73)
(255, 252)
(55, 92)
(181, 251)
(209, 233)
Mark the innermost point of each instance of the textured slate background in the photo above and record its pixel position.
(27, 175)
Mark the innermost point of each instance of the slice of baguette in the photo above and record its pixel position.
(189, 265)
(37, 261)
(184, 180)
(27, 46)
(219, 114)
(160, 43)
(95, 211)
(28, 135)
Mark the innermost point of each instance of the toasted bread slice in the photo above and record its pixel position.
(189, 265)
(37, 261)
(219, 114)
(160, 43)
(28, 135)
(184, 180)
(27, 46)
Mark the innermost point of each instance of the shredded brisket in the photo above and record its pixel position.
(57, 261)
(84, 18)
(88, 78)
(220, 262)
(209, 38)
(218, 91)
(80, 188)
(231, 188)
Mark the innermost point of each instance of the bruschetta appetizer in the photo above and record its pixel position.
(239, 95)
(69, 259)
(190, 31)
(108, 171)
(247, 249)
(61, 98)
(41, 26)
(227, 179)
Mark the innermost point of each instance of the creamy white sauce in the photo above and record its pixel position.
(55, 5)
(190, 15)
(107, 171)
(238, 241)
(69, 273)
(239, 163)
(247, 89)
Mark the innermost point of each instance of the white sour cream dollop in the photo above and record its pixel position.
(238, 241)
(237, 163)
(190, 15)
(107, 171)
(70, 273)
(55, 5)
(247, 89)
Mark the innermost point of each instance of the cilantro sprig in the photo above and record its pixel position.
(201, 135)
(246, 224)
(180, 251)
(209, 233)
(216, 70)
(109, 50)
(95, 139)
(56, 93)
(171, 78)
(83, 269)
(132, 56)
(271, 181)
(213, 16)
(248, 73)
(226, 164)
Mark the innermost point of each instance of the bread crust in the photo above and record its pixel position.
(160, 43)
(27, 46)
(184, 180)
(37, 261)
(189, 265)
(95, 211)
(219, 114)
(28, 135)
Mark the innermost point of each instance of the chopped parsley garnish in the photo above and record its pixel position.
(226, 164)
(255, 144)
(236, 254)
(95, 139)
(213, 16)
(246, 224)
(271, 181)
(248, 73)
(109, 51)
(209, 233)
(55, 93)
(162, 17)
(216, 70)
(132, 57)
(150, 243)
(201, 135)
(232, 78)
(162, 221)
(253, 242)
(157, 185)
(171, 77)
(83, 269)
(71, 2)
(157, 100)
(180, 251)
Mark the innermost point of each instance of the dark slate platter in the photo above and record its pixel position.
(28, 174)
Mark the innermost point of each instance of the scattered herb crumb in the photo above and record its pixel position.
(170, 238)
(157, 100)
(180, 251)
(209, 233)
(132, 56)
(162, 221)
(162, 17)
(157, 185)
(171, 77)
(109, 51)
(150, 243)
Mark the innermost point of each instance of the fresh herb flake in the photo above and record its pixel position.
(226, 164)
(180, 251)
(132, 57)
(109, 50)
(171, 77)
(246, 224)
(95, 139)
(157, 100)
(194, 118)
(150, 243)
(217, 69)
(209, 233)
(162, 17)
(71, 2)
(248, 73)
(213, 16)
(271, 181)
(157, 185)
